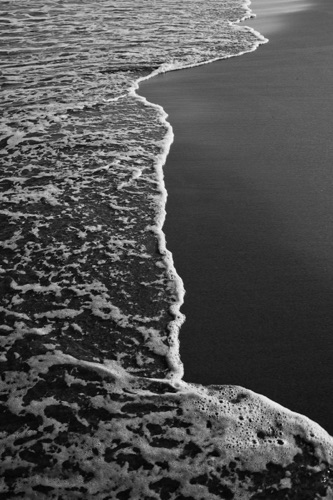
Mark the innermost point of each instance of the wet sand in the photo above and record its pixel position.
(250, 211)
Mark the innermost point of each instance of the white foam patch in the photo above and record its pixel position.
(201, 441)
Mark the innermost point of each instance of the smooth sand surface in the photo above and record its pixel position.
(273, 16)
(250, 211)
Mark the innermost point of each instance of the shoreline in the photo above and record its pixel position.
(173, 358)
(282, 376)
(90, 301)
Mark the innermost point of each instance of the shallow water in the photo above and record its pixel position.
(73, 132)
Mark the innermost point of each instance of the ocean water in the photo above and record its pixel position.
(92, 399)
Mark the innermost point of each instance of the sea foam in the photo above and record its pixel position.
(93, 402)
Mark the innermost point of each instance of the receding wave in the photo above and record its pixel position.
(93, 402)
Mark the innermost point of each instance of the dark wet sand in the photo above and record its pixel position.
(250, 212)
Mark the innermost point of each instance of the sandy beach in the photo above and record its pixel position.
(249, 211)
(93, 405)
